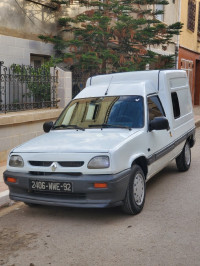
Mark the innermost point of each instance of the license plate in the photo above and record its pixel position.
(36, 185)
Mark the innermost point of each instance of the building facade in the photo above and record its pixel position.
(171, 15)
(21, 21)
(189, 45)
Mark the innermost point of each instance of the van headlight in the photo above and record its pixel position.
(99, 162)
(16, 161)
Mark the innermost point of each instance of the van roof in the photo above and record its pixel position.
(130, 77)
(142, 88)
(135, 83)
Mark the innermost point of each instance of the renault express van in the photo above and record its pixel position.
(114, 136)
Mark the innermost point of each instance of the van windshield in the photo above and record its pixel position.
(109, 111)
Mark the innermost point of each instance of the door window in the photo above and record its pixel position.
(155, 108)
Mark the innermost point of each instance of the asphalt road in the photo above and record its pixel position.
(167, 232)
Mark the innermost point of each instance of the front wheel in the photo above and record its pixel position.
(135, 194)
(183, 161)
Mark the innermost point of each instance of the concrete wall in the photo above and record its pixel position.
(171, 12)
(171, 15)
(20, 24)
(16, 128)
(15, 50)
(25, 19)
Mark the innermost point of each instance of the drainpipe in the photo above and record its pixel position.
(178, 37)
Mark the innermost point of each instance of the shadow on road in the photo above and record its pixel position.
(102, 215)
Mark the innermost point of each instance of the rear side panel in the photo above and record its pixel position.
(175, 95)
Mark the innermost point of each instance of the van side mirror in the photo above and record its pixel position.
(47, 126)
(159, 123)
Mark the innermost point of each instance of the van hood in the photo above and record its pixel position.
(72, 141)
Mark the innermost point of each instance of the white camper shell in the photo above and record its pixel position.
(115, 135)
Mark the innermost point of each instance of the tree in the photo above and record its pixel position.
(114, 36)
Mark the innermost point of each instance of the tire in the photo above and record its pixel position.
(136, 191)
(183, 161)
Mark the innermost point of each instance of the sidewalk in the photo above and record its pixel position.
(4, 193)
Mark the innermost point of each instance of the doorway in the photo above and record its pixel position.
(197, 84)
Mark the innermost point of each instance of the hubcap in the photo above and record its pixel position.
(187, 154)
(138, 189)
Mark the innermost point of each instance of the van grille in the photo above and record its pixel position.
(63, 164)
(38, 173)
(71, 164)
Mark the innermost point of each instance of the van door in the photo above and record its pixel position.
(160, 142)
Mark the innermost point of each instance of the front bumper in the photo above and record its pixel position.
(84, 194)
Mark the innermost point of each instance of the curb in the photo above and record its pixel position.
(4, 196)
(197, 123)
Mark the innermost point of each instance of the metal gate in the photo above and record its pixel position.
(26, 88)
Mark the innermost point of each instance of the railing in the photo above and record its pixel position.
(79, 79)
(26, 88)
(78, 82)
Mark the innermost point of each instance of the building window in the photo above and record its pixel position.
(198, 32)
(160, 16)
(38, 60)
(187, 65)
(191, 15)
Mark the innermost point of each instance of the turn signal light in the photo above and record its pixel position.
(11, 180)
(100, 185)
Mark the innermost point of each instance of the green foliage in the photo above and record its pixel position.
(37, 79)
(113, 36)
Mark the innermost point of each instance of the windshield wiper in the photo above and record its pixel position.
(110, 126)
(69, 126)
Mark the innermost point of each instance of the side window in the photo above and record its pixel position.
(175, 104)
(155, 108)
(92, 111)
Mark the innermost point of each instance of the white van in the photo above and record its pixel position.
(114, 136)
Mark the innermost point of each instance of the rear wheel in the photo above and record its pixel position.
(183, 161)
(135, 194)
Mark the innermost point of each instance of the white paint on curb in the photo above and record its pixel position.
(4, 198)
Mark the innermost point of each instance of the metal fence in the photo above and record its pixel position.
(79, 79)
(26, 88)
(78, 82)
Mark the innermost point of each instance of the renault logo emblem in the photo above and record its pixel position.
(53, 167)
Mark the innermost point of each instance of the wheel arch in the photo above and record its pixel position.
(142, 162)
(191, 140)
